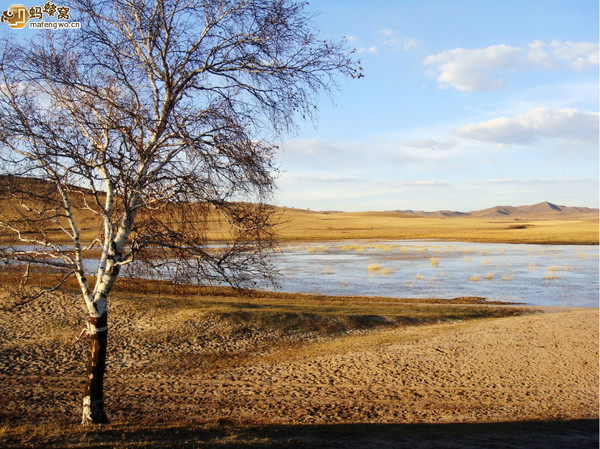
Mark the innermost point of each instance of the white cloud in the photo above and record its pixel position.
(538, 56)
(391, 41)
(474, 70)
(386, 32)
(580, 55)
(571, 125)
(479, 70)
(329, 193)
(308, 147)
(373, 50)
(362, 49)
(538, 181)
(397, 44)
(408, 43)
(499, 181)
(429, 143)
(325, 179)
(431, 171)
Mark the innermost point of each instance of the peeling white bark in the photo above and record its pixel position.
(91, 409)
(86, 418)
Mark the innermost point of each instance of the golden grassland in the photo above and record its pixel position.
(316, 226)
(299, 224)
(295, 225)
(305, 225)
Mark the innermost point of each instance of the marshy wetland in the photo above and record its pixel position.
(540, 275)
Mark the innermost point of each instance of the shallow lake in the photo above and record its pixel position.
(543, 275)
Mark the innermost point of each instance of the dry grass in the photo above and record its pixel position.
(242, 328)
(305, 225)
(230, 328)
(374, 267)
(268, 308)
(230, 435)
(250, 329)
(297, 224)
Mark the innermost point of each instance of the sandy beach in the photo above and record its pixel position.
(540, 367)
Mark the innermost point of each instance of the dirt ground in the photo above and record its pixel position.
(523, 381)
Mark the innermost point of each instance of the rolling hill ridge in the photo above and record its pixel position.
(541, 210)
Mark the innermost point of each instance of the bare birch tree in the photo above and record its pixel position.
(140, 128)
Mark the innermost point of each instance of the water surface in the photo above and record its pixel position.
(544, 275)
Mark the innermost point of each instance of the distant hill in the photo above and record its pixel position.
(545, 210)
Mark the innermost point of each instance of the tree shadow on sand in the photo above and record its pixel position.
(579, 434)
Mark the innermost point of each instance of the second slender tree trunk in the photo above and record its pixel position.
(93, 395)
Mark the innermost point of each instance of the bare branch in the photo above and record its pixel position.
(27, 296)
(149, 131)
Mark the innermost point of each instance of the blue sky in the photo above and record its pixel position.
(464, 105)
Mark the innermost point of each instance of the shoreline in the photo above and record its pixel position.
(551, 242)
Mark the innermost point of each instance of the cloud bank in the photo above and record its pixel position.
(571, 125)
(480, 70)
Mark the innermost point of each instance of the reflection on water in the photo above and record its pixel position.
(548, 275)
